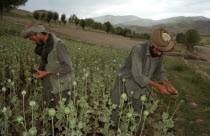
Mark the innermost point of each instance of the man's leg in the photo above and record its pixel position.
(55, 98)
(47, 89)
(115, 98)
(137, 105)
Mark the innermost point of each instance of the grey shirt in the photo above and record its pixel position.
(138, 69)
(64, 59)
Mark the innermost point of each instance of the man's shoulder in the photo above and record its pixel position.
(141, 46)
(55, 38)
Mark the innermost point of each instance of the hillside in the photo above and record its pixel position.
(174, 24)
(202, 27)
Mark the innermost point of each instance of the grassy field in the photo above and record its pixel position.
(205, 41)
(95, 68)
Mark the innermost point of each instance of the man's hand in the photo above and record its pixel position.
(161, 88)
(170, 88)
(41, 74)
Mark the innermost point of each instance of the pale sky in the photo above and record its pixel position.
(149, 9)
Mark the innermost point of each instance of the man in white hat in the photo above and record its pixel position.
(55, 69)
(142, 65)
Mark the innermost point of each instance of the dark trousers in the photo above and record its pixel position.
(50, 98)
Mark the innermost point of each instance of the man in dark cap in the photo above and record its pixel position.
(55, 69)
(142, 65)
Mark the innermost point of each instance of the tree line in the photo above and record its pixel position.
(88, 22)
(189, 38)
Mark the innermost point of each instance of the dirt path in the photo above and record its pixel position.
(17, 20)
(109, 40)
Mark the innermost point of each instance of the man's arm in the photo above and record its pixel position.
(170, 87)
(138, 76)
(160, 76)
(160, 72)
(161, 88)
(136, 67)
(64, 60)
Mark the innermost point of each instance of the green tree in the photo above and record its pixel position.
(127, 32)
(42, 17)
(82, 23)
(145, 36)
(98, 25)
(119, 30)
(63, 18)
(180, 38)
(49, 16)
(192, 38)
(55, 16)
(77, 21)
(36, 15)
(72, 18)
(89, 22)
(108, 27)
(7, 5)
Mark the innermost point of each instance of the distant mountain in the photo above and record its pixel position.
(137, 21)
(203, 27)
(173, 24)
(182, 19)
(115, 19)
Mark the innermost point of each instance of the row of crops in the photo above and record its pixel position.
(23, 111)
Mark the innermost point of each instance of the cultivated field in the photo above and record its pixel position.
(89, 110)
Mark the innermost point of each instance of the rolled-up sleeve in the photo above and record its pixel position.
(160, 72)
(136, 68)
(64, 60)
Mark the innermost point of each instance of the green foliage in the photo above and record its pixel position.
(108, 27)
(119, 31)
(180, 67)
(89, 22)
(49, 16)
(63, 18)
(6, 5)
(9, 29)
(180, 38)
(55, 16)
(98, 26)
(73, 19)
(90, 107)
(192, 38)
(77, 21)
(164, 125)
(36, 15)
(127, 32)
(42, 16)
(82, 23)
(191, 89)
